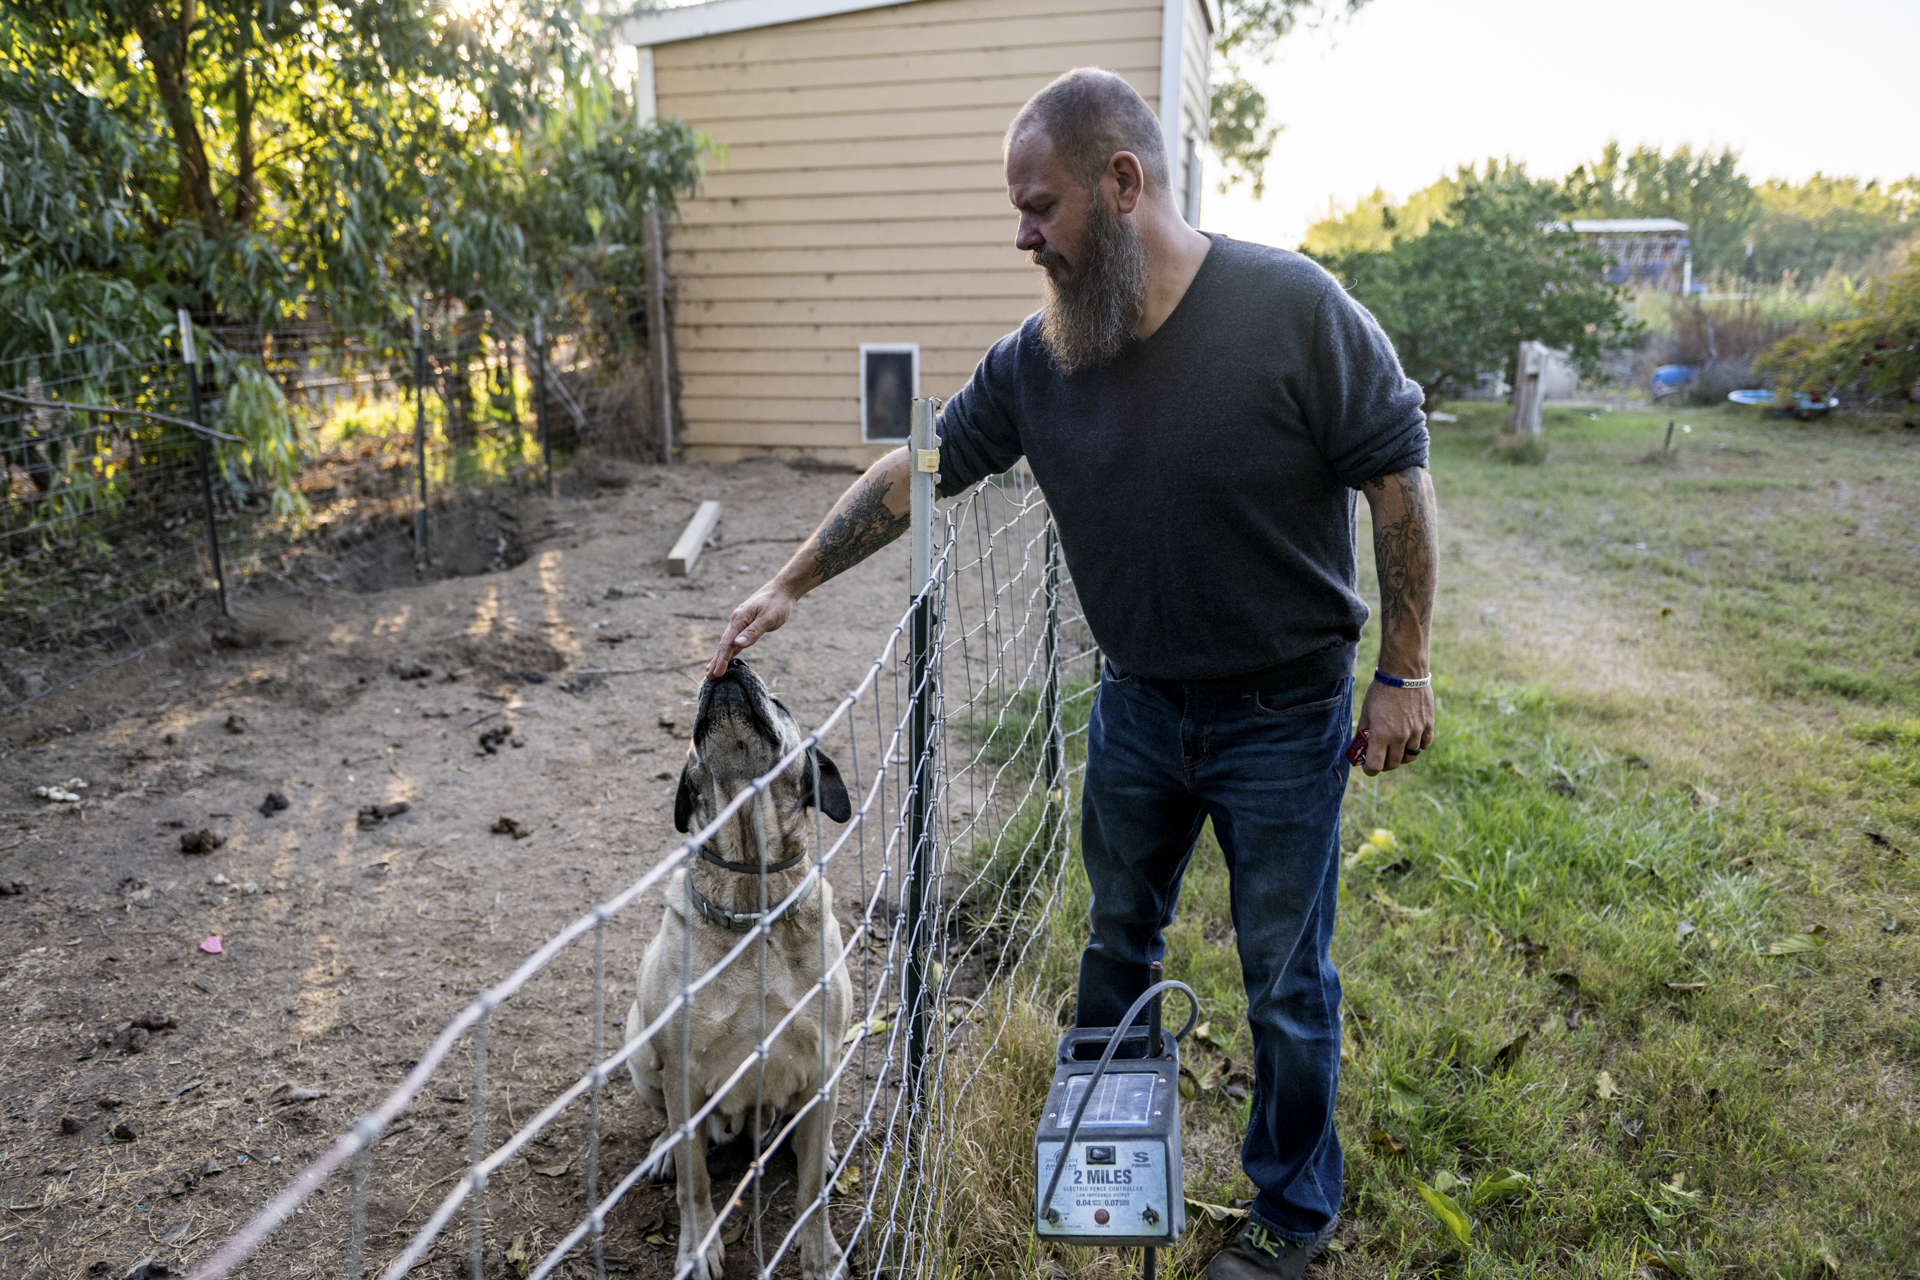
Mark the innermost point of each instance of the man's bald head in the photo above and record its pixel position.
(1086, 116)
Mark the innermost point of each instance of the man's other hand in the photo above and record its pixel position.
(1398, 724)
(765, 610)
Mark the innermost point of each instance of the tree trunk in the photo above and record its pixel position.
(166, 47)
(246, 193)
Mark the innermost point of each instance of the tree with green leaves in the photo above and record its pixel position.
(1705, 190)
(1874, 352)
(1238, 126)
(1494, 269)
(1824, 224)
(247, 158)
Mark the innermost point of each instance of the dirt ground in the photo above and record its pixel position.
(139, 1070)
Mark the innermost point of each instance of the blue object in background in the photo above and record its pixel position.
(1799, 405)
(1671, 377)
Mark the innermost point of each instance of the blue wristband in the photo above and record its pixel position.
(1417, 682)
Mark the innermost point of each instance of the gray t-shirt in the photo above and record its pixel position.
(1203, 482)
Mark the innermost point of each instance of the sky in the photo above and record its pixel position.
(1406, 90)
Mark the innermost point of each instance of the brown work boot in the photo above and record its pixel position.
(1258, 1254)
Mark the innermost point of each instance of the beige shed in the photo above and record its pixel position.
(856, 247)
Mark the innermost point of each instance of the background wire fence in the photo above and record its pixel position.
(943, 881)
(321, 464)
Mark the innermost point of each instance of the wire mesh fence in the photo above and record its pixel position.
(825, 971)
(144, 493)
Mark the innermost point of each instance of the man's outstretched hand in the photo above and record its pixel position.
(1398, 724)
(765, 610)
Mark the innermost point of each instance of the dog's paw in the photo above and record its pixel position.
(707, 1266)
(817, 1263)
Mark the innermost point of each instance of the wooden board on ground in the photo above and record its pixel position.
(686, 552)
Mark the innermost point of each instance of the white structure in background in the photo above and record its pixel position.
(858, 236)
(1649, 251)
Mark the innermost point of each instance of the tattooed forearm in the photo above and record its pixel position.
(1406, 554)
(857, 529)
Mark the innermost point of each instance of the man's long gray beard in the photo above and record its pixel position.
(1091, 316)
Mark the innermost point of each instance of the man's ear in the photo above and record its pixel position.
(832, 797)
(683, 799)
(1129, 180)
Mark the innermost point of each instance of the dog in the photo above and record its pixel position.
(740, 731)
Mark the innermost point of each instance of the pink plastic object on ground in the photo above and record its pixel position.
(212, 945)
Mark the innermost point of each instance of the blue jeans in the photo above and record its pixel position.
(1269, 770)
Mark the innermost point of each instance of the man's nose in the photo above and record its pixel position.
(1028, 238)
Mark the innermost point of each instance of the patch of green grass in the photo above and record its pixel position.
(1785, 552)
(1680, 994)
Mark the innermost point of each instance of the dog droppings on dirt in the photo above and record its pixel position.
(509, 827)
(301, 1001)
(273, 804)
(236, 724)
(374, 814)
(201, 841)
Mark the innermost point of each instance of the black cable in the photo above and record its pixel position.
(1113, 1042)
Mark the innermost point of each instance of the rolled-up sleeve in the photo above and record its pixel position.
(1364, 411)
(979, 427)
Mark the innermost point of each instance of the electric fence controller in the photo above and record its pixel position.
(1118, 1124)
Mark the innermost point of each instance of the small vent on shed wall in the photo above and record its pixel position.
(889, 381)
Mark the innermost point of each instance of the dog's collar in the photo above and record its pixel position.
(752, 868)
(741, 921)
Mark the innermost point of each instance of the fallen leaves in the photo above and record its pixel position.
(1794, 944)
(1380, 842)
(1411, 913)
(1511, 1052)
(285, 1095)
(1446, 1210)
(1508, 1184)
(876, 1025)
(1666, 1201)
(520, 1254)
(549, 1168)
(1604, 1087)
(1214, 1212)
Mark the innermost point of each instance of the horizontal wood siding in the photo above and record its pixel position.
(862, 201)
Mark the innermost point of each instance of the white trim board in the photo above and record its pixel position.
(1173, 33)
(718, 17)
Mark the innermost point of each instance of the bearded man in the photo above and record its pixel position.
(1199, 413)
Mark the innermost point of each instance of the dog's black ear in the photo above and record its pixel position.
(683, 800)
(832, 799)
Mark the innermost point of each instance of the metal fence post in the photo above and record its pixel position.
(924, 456)
(540, 401)
(1053, 766)
(205, 452)
(419, 435)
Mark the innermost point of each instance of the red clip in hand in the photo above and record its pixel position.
(1357, 749)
